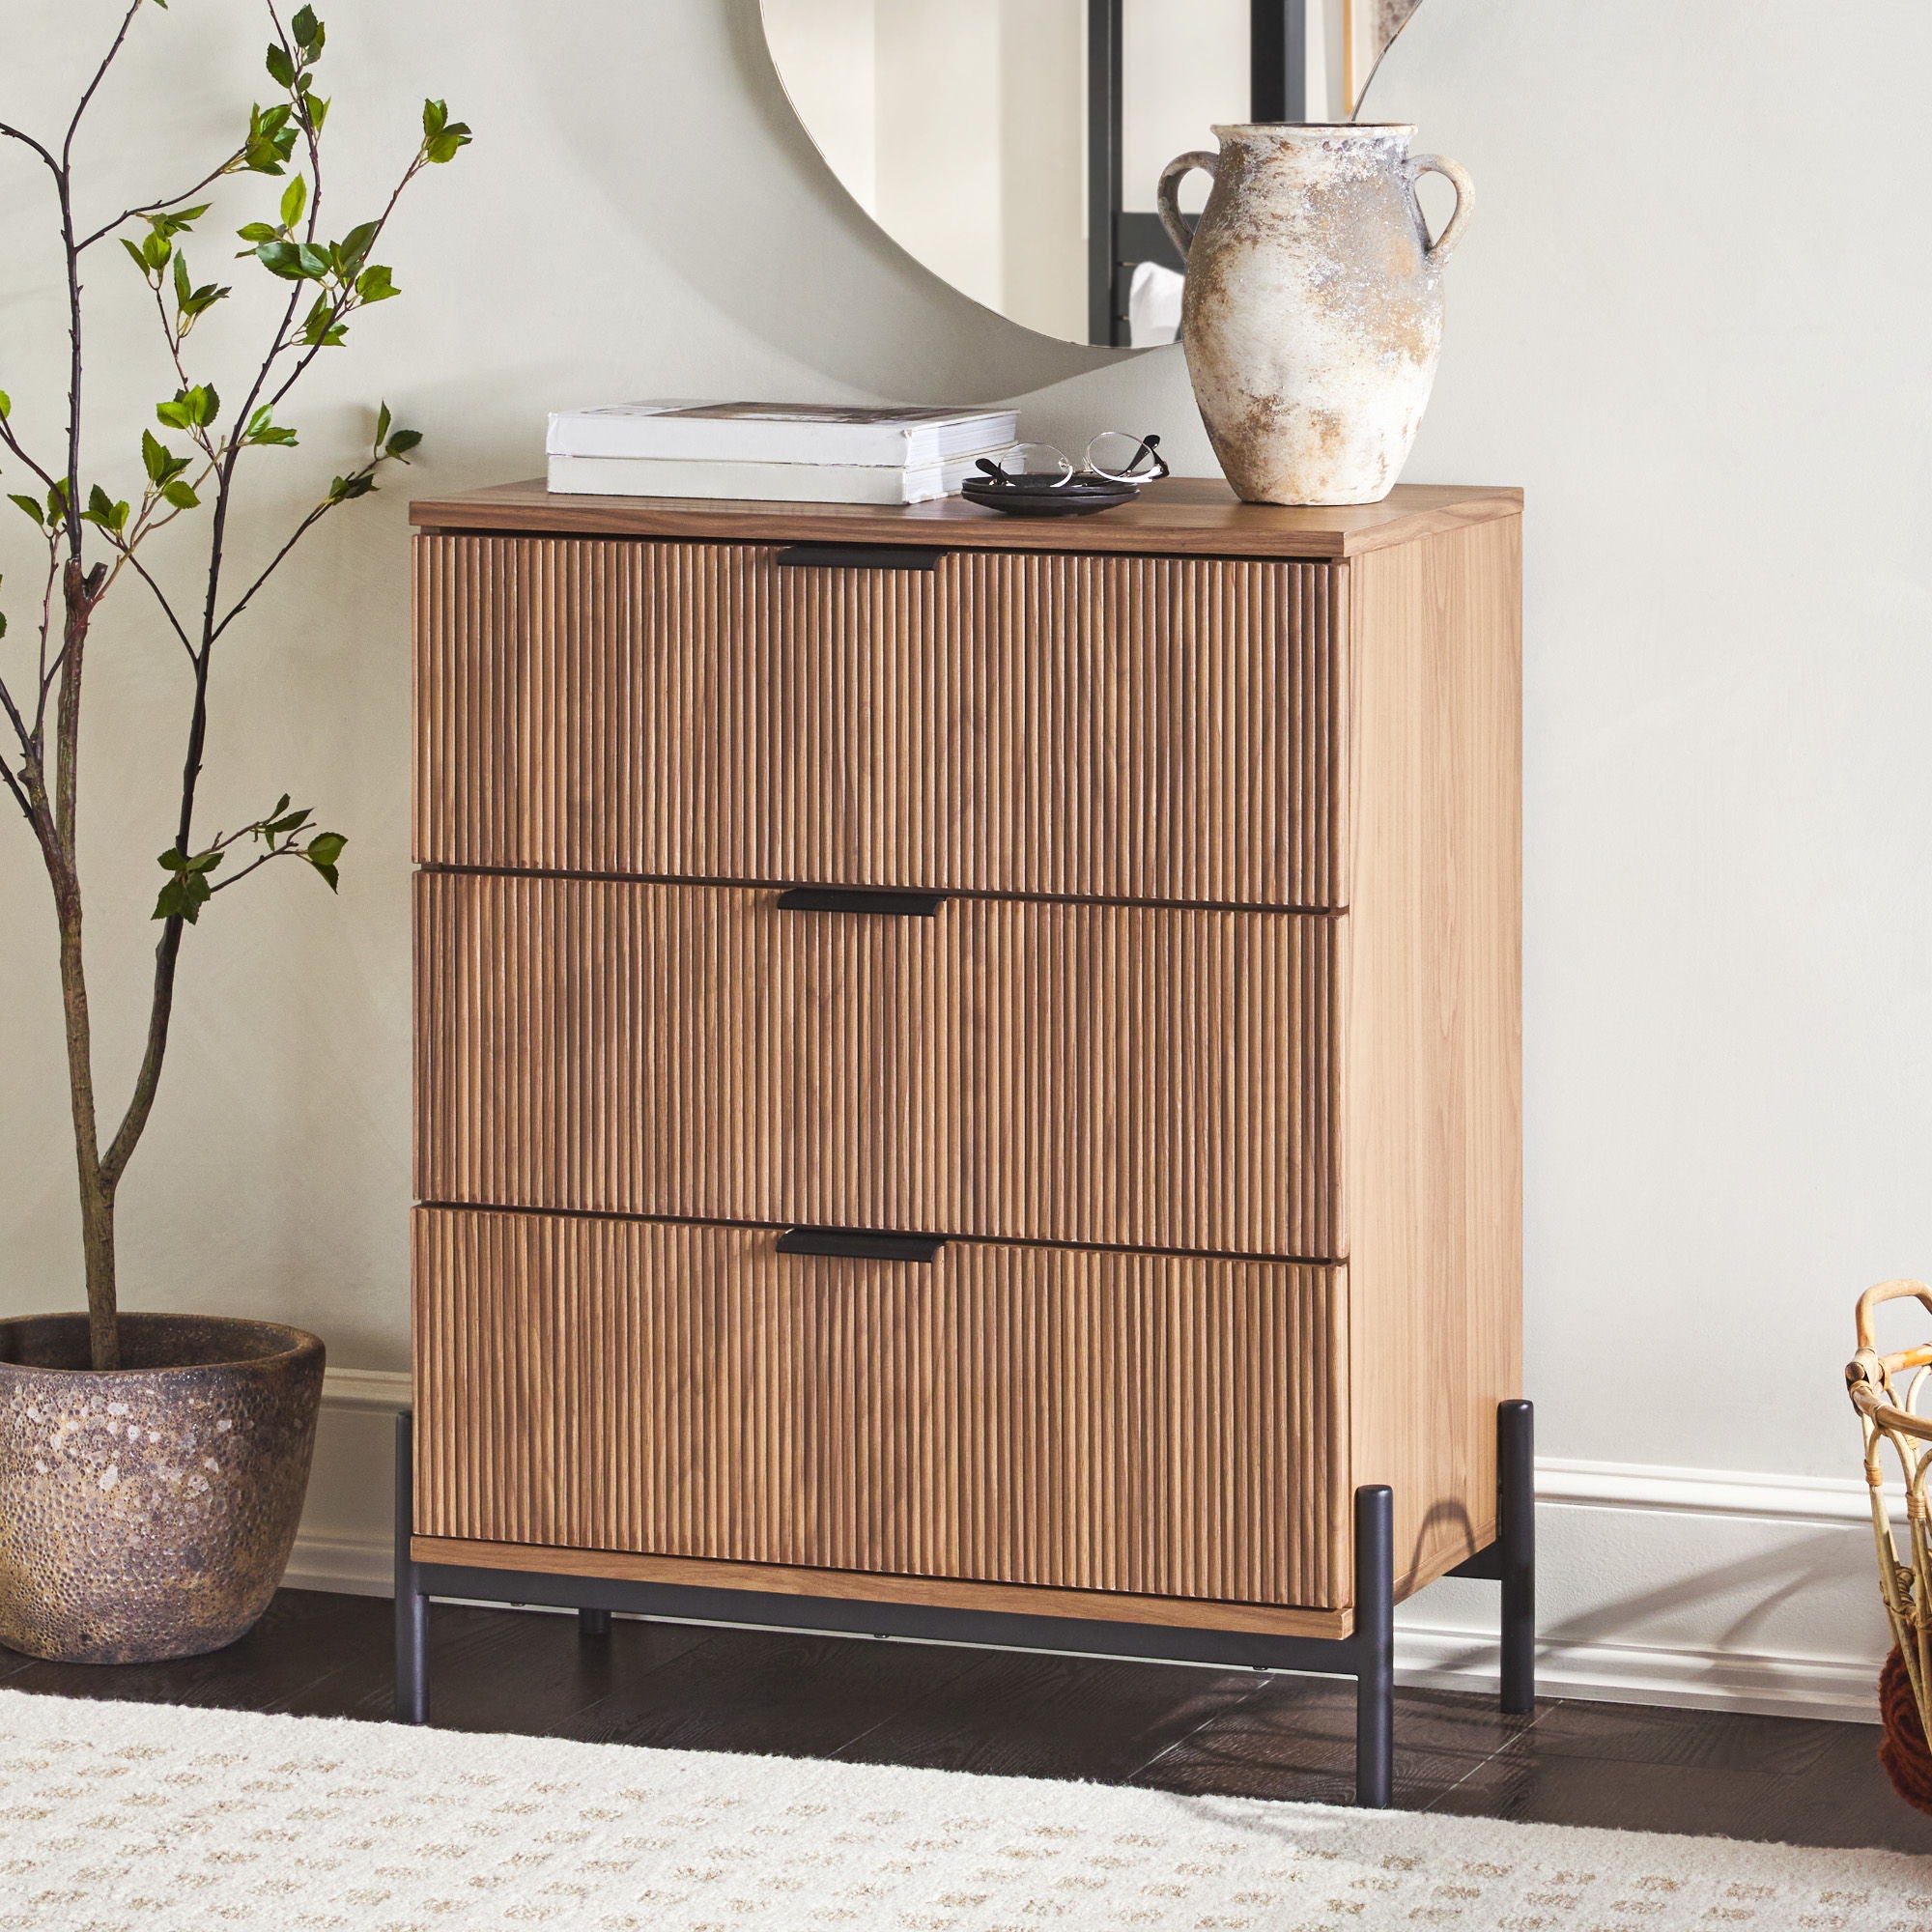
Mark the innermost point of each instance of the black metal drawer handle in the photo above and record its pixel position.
(858, 556)
(849, 1244)
(837, 899)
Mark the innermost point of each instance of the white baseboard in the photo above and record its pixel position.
(1694, 1587)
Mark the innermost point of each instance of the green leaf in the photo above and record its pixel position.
(322, 852)
(183, 288)
(308, 31)
(271, 139)
(157, 458)
(281, 69)
(382, 420)
(346, 489)
(321, 330)
(32, 508)
(155, 250)
(447, 146)
(295, 198)
(183, 898)
(133, 248)
(353, 248)
(104, 511)
(373, 285)
(6, 406)
(181, 494)
(436, 117)
(292, 261)
(258, 231)
(190, 408)
(262, 427)
(402, 443)
(318, 111)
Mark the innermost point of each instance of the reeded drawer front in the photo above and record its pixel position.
(1094, 726)
(1051, 1071)
(1116, 1422)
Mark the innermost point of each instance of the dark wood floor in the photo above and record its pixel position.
(1802, 1782)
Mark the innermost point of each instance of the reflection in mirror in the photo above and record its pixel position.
(963, 127)
(1013, 146)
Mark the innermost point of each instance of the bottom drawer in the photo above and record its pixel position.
(1150, 1424)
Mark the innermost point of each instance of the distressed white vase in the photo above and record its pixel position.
(1313, 312)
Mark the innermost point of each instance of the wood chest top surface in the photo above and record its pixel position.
(1184, 515)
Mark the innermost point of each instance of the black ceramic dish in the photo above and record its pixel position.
(1036, 496)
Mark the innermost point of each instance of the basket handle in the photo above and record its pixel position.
(1888, 1291)
(1868, 1373)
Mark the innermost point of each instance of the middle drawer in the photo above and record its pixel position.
(1031, 1071)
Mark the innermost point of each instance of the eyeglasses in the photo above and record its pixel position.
(1112, 457)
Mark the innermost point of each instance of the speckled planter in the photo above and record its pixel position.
(149, 1512)
(1313, 312)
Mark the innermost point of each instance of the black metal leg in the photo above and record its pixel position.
(412, 1706)
(1375, 1646)
(593, 1622)
(1516, 1534)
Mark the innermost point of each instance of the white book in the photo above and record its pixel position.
(888, 438)
(759, 482)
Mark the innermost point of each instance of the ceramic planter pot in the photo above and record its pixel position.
(1313, 311)
(149, 1512)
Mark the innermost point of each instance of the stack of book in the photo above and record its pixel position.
(772, 452)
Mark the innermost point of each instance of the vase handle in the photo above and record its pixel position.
(1167, 197)
(1413, 169)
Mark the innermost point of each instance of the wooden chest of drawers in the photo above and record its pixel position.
(1121, 917)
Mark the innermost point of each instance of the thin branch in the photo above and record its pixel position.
(346, 301)
(13, 443)
(301, 530)
(160, 207)
(46, 670)
(15, 719)
(19, 797)
(160, 598)
(198, 435)
(288, 851)
(99, 75)
(12, 133)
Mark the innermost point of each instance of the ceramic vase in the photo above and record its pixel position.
(1313, 312)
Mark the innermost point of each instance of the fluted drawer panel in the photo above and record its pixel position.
(1055, 1071)
(1114, 728)
(1141, 1423)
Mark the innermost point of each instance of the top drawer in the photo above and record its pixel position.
(1168, 729)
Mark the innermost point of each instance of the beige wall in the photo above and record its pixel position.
(1716, 399)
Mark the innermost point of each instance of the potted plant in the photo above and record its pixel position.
(153, 1466)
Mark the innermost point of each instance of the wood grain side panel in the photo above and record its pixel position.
(1434, 1139)
(1005, 1069)
(1100, 728)
(1153, 1425)
(1184, 515)
(867, 1587)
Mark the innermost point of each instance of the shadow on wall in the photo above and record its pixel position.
(1767, 1583)
(738, 199)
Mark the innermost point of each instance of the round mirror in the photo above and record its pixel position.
(1013, 146)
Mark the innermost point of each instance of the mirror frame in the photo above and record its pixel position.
(1117, 240)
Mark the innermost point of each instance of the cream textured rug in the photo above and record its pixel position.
(150, 1818)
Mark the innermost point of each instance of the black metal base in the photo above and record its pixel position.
(1368, 1654)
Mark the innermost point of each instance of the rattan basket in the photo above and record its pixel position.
(1888, 1392)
